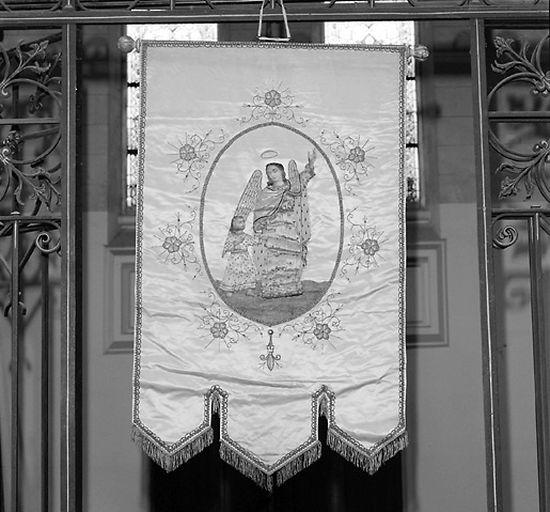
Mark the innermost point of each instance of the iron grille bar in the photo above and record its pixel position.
(28, 219)
(519, 212)
(26, 257)
(520, 116)
(15, 373)
(540, 362)
(487, 304)
(2, 500)
(70, 300)
(45, 380)
(29, 120)
(314, 11)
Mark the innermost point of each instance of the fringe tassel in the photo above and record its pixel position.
(298, 463)
(360, 458)
(170, 461)
(247, 468)
(263, 479)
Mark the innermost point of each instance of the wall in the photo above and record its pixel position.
(112, 464)
(445, 464)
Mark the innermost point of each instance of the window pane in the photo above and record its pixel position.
(383, 33)
(165, 32)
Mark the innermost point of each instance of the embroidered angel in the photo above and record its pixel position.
(281, 226)
(240, 274)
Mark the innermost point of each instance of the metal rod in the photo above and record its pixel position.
(540, 362)
(303, 11)
(15, 373)
(70, 300)
(519, 212)
(519, 116)
(486, 271)
(23, 219)
(2, 497)
(45, 380)
(29, 120)
(26, 257)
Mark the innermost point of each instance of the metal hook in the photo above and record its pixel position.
(273, 3)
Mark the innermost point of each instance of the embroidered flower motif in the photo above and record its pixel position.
(317, 329)
(193, 154)
(272, 104)
(370, 246)
(363, 247)
(172, 244)
(351, 157)
(224, 326)
(272, 98)
(219, 330)
(187, 153)
(177, 245)
(356, 155)
(322, 331)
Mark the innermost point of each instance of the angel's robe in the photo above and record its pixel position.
(281, 221)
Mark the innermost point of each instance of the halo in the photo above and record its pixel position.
(269, 153)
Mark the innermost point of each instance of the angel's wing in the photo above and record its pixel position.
(246, 203)
(250, 194)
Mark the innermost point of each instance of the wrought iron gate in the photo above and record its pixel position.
(515, 130)
(39, 200)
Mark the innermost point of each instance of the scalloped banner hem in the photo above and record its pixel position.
(362, 458)
(359, 456)
(268, 480)
(172, 460)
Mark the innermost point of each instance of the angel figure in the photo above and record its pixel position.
(240, 274)
(281, 225)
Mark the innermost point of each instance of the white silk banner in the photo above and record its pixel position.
(270, 254)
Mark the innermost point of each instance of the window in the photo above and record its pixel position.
(171, 32)
(376, 32)
(389, 32)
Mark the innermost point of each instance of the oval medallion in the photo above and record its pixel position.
(271, 223)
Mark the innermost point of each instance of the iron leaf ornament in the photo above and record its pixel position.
(29, 178)
(522, 63)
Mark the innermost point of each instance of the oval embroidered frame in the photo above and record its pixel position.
(280, 309)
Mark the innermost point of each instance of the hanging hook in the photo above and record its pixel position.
(273, 3)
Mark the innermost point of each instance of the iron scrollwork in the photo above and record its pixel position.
(522, 170)
(29, 169)
(172, 5)
(505, 237)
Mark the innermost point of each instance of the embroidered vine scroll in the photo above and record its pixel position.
(270, 254)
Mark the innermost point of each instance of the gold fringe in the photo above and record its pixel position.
(247, 468)
(361, 458)
(298, 463)
(267, 480)
(172, 460)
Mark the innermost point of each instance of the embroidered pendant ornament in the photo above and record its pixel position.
(270, 254)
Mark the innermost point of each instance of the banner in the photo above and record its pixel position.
(270, 254)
